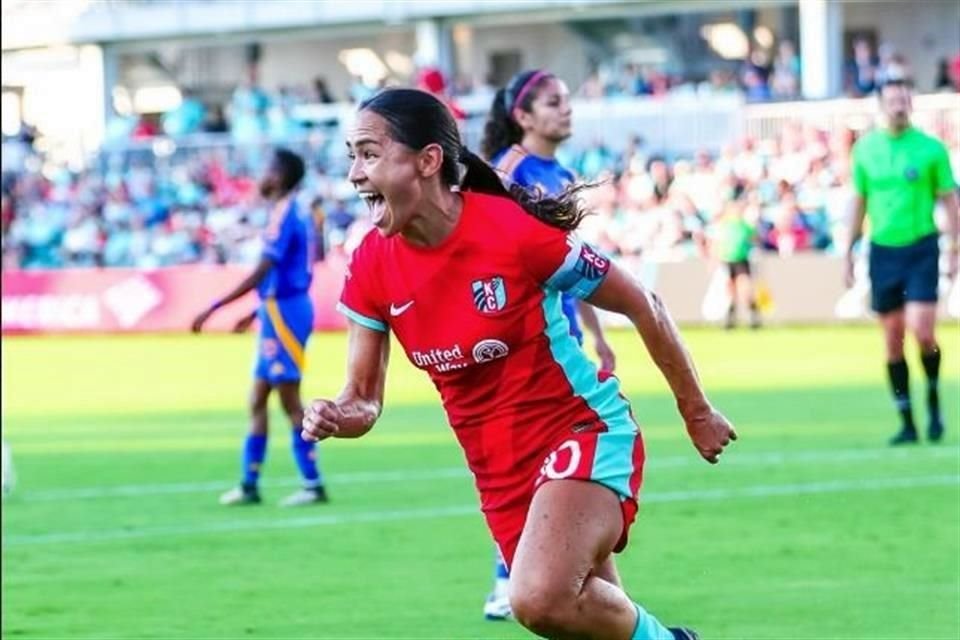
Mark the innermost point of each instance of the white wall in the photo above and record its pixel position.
(551, 46)
(300, 61)
(289, 62)
(923, 30)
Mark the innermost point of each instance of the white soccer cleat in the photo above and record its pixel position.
(240, 496)
(305, 496)
(497, 607)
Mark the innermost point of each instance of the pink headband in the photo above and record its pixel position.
(531, 81)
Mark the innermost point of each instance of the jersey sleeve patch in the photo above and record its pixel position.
(582, 271)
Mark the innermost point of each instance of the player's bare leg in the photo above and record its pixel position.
(731, 320)
(921, 321)
(259, 395)
(748, 299)
(556, 586)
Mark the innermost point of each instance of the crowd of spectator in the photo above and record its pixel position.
(148, 206)
(203, 206)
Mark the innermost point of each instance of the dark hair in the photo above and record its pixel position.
(501, 130)
(416, 119)
(894, 82)
(290, 166)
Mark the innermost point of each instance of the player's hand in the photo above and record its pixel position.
(199, 321)
(608, 360)
(321, 420)
(244, 323)
(848, 272)
(953, 255)
(710, 432)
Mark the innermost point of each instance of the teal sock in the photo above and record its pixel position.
(648, 627)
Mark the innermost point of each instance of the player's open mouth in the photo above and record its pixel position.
(375, 203)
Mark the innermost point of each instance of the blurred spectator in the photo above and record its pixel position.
(432, 80)
(248, 109)
(281, 125)
(359, 90)
(755, 84)
(215, 121)
(893, 65)
(785, 80)
(948, 74)
(862, 69)
(954, 71)
(187, 117)
(592, 87)
(596, 159)
(321, 93)
(146, 127)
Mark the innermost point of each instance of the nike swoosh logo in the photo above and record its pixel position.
(395, 310)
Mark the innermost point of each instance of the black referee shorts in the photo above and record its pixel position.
(735, 269)
(904, 274)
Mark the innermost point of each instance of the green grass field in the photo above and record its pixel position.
(810, 527)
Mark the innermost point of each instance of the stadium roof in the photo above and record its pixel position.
(28, 23)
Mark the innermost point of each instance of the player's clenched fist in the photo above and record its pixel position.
(710, 432)
(321, 420)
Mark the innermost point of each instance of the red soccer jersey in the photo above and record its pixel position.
(481, 315)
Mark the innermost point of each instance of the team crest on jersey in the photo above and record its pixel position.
(489, 295)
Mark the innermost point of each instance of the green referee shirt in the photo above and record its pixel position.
(901, 177)
(732, 239)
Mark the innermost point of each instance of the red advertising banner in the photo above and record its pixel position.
(132, 300)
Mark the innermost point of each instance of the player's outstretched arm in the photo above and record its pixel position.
(620, 293)
(358, 406)
(247, 284)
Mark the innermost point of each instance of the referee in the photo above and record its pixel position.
(899, 173)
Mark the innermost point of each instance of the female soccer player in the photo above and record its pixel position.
(529, 119)
(469, 276)
(282, 280)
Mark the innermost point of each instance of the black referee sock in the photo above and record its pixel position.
(900, 384)
(931, 365)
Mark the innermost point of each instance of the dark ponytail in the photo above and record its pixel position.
(500, 131)
(564, 211)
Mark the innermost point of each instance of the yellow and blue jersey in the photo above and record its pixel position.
(290, 244)
(286, 311)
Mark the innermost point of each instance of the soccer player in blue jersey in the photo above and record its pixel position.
(529, 119)
(282, 280)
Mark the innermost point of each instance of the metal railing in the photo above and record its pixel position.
(936, 112)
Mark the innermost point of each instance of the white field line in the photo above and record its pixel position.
(412, 475)
(238, 526)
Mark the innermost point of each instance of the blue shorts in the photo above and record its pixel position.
(904, 274)
(285, 327)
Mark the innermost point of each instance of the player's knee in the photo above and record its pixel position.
(258, 406)
(894, 347)
(542, 610)
(294, 411)
(926, 340)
